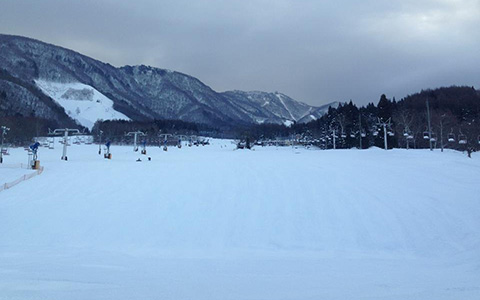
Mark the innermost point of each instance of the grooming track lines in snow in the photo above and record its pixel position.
(212, 223)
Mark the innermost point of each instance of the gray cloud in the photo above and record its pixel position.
(314, 51)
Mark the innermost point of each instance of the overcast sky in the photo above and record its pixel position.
(314, 51)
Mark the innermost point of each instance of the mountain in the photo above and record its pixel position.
(48, 81)
(275, 107)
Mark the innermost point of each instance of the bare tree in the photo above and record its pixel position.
(442, 120)
(403, 119)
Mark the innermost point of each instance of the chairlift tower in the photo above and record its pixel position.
(65, 132)
(385, 125)
(135, 135)
(5, 129)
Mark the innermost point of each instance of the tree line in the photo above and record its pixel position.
(454, 123)
(454, 117)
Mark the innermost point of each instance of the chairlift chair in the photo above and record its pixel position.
(363, 134)
(451, 137)
(434, 137)
(390, 133)
(426, 135)
(407, 134)
(462, 139)
(352, 134)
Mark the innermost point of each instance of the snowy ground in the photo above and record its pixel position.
(213, 223)
(12, 172)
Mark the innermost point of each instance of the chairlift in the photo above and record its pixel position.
(352, 134)
(390, 133)
(451, 137)
(407, 134)
(434, 137)
(343, 135)
(363, 134)
(478, 139)
(462, 139)
(426, 135)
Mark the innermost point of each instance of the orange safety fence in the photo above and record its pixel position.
(25, 177)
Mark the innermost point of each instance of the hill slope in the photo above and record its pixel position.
(139, 92)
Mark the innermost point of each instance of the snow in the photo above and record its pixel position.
(214, 223)
(81, 102)
(279, 96)
(10, 173)
(288, 123)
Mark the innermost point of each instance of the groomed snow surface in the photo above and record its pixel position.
(213, 223)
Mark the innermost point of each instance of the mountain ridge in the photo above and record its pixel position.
(140, 92)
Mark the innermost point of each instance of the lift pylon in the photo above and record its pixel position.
(64, 132)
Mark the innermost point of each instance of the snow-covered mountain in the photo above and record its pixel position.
(317, 112)
(275, 107)
(135, 92)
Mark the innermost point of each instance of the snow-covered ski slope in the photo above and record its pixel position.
(81, 102)
(213, 223)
